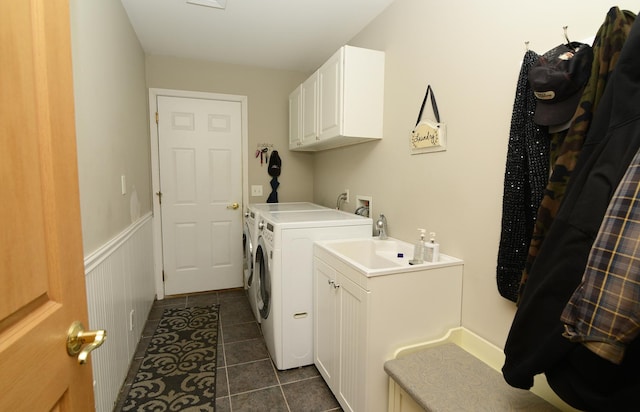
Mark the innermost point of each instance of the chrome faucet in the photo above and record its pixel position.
(381, 224)
(341, 198)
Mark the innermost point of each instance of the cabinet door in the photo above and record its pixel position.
(325, 323)
(309, 96)
(353, 344)
(330, 96)
(295, 123)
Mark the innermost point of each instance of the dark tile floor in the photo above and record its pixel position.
(247, 380)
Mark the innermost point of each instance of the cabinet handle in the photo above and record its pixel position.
(336, 285)
(331, 282)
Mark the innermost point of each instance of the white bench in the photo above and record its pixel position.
(460, 372)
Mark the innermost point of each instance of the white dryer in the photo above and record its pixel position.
(250, 241)
(251, 221)
(284, 263)
(286, 207)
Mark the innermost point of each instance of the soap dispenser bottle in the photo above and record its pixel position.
(432, 249)
(418, 250)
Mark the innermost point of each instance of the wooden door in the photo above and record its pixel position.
(41, 263)
(200, 160)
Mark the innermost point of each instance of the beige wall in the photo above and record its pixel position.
(111, 120)
(111, 81)
(267, 93)
(470, 52)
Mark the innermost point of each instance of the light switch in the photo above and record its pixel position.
(256, 190)
(123, 185)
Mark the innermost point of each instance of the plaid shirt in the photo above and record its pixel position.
(604, 311)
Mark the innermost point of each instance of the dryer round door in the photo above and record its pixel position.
(247, 249)
(264, 280)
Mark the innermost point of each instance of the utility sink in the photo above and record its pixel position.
(373, 256)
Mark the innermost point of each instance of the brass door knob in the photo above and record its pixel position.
(234, 206)
(77, 337)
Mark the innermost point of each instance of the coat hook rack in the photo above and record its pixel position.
(263, 152)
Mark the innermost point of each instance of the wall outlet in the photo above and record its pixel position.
(256, 190)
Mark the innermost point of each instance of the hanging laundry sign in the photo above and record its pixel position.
(428, 135)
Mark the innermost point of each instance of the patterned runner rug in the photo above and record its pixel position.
(178, 372)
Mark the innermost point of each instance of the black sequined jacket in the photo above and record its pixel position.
(525, 177)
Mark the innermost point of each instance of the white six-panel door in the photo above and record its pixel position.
(199, 144)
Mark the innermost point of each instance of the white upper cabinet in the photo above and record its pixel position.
(342, 102)
(330, 102)
(309, 109)
(295, 111)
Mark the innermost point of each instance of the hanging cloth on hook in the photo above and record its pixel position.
(535, 343)
(566, 146)
(275, 164)
(274, 169)
(264, 155)
(273, 196)
(525, 177)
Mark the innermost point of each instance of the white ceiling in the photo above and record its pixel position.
(280, 34)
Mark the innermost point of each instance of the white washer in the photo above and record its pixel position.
(250, 241)
(284, 265)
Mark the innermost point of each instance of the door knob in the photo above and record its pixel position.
(77, 337)
(233, 206)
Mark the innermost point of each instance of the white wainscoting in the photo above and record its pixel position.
(120, 292)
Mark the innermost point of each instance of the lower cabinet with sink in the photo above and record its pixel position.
(367, 306)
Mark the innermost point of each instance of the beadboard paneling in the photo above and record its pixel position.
(119, 278)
